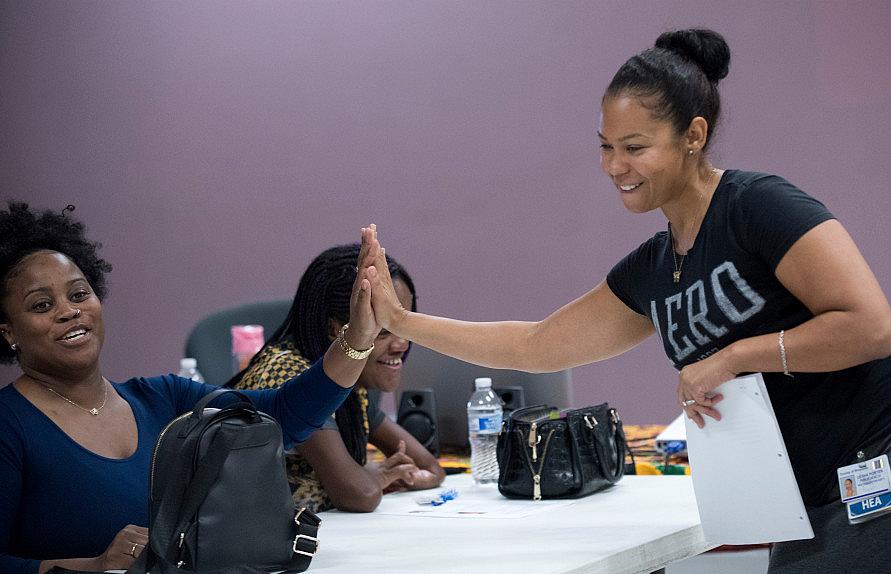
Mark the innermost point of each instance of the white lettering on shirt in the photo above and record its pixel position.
(702, 329)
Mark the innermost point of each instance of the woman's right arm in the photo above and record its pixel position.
(594, 327)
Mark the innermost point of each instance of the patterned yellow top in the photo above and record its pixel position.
(277, 364)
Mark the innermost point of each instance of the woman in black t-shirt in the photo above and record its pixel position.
(751, 275)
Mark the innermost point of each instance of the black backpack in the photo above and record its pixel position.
(220, 499)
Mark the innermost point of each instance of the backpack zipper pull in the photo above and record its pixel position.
(536, 487)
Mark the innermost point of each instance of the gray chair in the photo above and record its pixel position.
(452, 384)
(210, 341)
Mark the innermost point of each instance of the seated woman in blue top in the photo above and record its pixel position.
(75, 447)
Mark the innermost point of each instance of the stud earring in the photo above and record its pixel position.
(689, 152)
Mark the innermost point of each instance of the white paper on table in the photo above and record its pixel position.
(745, 488)
(472, 502)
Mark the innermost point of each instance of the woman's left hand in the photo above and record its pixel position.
(698, 382)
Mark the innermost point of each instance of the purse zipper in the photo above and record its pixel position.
(533, 439)
(536, 476)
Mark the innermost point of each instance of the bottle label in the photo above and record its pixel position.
(485, 425)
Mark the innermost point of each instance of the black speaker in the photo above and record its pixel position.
(512, 397)
(417, 415)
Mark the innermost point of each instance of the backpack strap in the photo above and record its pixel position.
(306, 542)
(181, 500)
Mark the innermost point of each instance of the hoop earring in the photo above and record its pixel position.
(14, 347)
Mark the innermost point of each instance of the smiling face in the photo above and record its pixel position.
(383, 371)
(645, 157)
(53, 316)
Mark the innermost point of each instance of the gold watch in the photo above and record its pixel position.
(349, 351)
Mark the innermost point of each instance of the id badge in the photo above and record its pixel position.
(866, 488)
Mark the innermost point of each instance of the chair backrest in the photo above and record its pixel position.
(452, 384)
(210, 341)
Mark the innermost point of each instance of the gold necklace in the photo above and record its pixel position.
(676, 274)
(93, 411)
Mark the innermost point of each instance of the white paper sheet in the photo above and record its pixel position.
(745, 488)
(478, 501)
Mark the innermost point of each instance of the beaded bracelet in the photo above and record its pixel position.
(783, 356)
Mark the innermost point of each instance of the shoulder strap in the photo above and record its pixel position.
(174, 513)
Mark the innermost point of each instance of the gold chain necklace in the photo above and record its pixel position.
(93, 411)
(676, 274)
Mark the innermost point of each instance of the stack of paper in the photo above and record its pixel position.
(745, 488)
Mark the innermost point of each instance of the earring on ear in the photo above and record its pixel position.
(690, 151)
(14, 347)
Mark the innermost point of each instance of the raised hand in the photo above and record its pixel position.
(363, 325)
(388, 311)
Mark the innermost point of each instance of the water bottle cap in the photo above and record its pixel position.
(483, 383)
(188, 363)
(246, 339)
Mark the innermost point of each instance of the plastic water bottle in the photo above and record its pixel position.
(188, 369)
(484, 423)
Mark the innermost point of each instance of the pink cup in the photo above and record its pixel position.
(246, 341)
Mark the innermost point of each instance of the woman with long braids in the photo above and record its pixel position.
(75, 447)
(751, 275)
(330, 469)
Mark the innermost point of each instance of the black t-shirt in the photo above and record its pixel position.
(728, 291)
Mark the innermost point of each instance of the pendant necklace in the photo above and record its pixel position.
(676, 274)
(93, 411)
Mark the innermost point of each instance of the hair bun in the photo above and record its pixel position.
(705, 48)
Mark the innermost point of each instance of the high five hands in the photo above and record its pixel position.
(388, 311)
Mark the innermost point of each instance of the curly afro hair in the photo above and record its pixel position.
(24, 231)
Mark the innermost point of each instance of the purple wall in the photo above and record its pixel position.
(216, 147)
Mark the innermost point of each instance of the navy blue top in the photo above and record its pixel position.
(60, 500)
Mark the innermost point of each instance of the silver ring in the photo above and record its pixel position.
(688, 402)
(133, 550)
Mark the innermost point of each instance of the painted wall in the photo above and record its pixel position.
(216, 147)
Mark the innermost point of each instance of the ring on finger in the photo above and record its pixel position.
(133, 550)
(688, 402)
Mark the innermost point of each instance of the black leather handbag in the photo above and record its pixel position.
(220, 500)
(547, 453)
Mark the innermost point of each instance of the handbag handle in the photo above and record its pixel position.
(612, 475)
